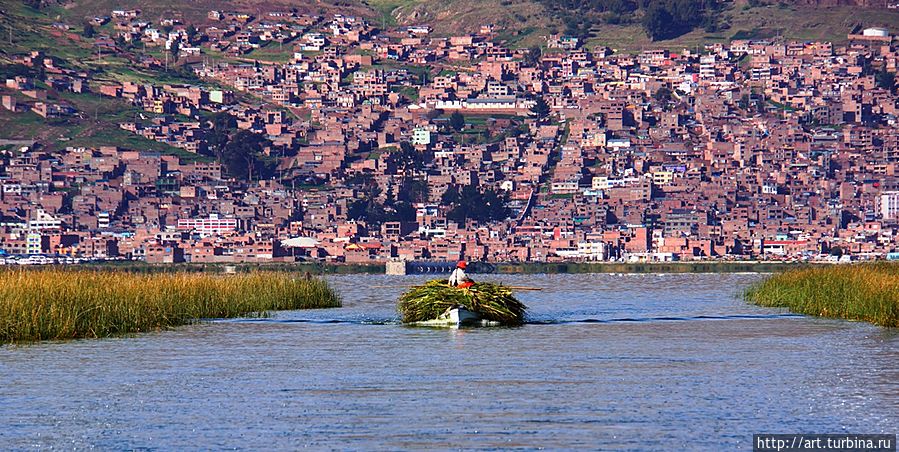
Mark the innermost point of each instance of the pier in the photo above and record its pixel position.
(398, 268)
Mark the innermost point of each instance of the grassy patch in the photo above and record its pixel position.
(66, 304)
(22, 125)
(780, 106)
(864, 292)
(386, 9)
(272, 52)
(98, 126)
(410, 92)
(127, 140)
(802, 23)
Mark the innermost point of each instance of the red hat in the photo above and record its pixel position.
(461, 265)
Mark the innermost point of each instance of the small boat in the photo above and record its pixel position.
(456, 317)
(435, 303)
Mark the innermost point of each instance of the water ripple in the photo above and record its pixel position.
(395, 321)
(644, 362)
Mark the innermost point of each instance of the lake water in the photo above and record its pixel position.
(608, 362)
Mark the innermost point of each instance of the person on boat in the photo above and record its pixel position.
(458, 278)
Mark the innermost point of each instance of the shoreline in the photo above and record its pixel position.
(498, 268)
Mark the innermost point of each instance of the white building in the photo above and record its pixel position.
(208, 226)
(43, 220)
(103, 220)
(876, 32)
(889, 205)
(594, 251)
(562, 187)
(421, 136)
(33, 243)
(707, 66)
(618, 143)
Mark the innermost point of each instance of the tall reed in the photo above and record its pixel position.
(865, 292)
(68, 304)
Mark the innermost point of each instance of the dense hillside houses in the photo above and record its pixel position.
(355, 144)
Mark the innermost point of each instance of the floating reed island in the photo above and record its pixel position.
(862, 292)
(492, 302)
(60, 304)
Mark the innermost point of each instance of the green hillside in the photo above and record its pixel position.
(527, 22)
(513, 19)
(518, 23)
(98, 118)
(196, 10)
(801, 23)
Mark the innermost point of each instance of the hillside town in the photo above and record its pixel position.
(350, 143)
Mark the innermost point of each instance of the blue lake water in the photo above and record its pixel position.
(608, 362)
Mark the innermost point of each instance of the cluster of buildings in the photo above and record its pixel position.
(25, 95)
(749, 150)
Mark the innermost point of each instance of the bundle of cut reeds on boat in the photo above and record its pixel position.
(493, 302)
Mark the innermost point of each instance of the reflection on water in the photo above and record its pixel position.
(607, 361)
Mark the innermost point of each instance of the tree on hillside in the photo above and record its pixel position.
(17, 70)
(540, 109)
(745, 102)
(402, 211)
(242, 156)
(191, 33)
(88, 30)
(367, 208)
(175, 50)
(667, 19)
(663, 94)
(471, 203)
(532, 58)
(457, 121)
(886, 80)
(407, 159)
(220, 126)
(658, 22)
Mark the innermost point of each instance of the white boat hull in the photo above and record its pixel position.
(456, 317)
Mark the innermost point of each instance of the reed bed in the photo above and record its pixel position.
(863, 292)
(68, 304)
(492, 301)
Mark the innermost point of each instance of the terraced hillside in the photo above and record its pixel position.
(526, 22)
(519, 23)
(24, 30)
(196, 10)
